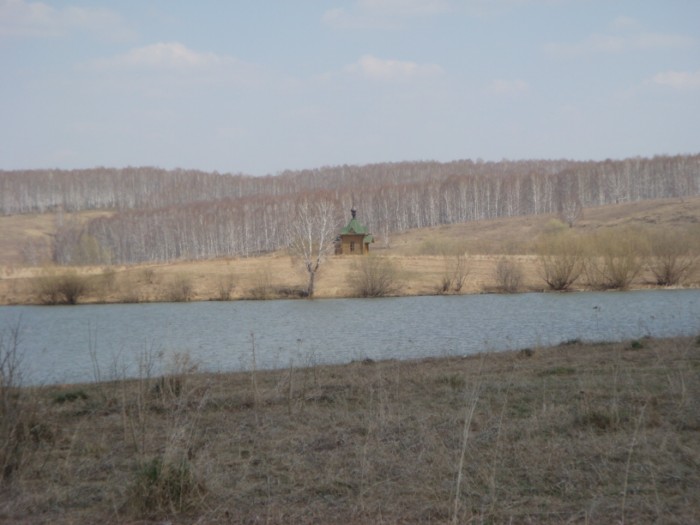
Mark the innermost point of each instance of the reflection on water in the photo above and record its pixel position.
(73, 344)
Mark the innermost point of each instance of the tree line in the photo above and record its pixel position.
(179, 214)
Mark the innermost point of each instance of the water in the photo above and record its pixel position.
(81, 343)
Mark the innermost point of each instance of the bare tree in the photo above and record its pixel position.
(570, 211)
(311, 233)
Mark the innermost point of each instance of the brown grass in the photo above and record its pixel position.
(418, 255)
(600, 433)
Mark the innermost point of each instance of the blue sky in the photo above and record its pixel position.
(262, 86)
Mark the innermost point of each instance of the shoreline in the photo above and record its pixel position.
(275, 277)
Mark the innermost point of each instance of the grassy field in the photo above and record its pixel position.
(417, 256)
(580, 433)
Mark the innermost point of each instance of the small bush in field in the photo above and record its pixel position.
(225, 286)
(508, 275)
(672, 259)
(66, 288)
(373, 276)
(560, 260)
(180, 289)
(614, 259)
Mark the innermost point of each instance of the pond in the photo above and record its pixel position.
(70, 344)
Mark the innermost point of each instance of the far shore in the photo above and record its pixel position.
(274, 277)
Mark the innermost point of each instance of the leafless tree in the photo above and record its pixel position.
(160, 215)
(311, 233)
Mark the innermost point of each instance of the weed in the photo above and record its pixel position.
(454, 381)
(70, 396)
(570, 342)
(558, 371)
(162, 488)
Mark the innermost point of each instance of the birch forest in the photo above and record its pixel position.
(162, 215)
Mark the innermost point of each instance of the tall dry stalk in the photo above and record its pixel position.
(633, 443)
(469, 415)
(254, 377)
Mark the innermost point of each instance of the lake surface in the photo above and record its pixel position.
(68, 344)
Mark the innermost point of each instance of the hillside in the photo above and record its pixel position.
(153, 215)
(418, 257)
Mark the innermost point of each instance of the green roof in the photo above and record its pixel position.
(354, 227)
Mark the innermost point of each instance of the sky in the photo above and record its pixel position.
(261, 86)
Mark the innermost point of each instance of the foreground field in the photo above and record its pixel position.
(418, 258)
(580, 433)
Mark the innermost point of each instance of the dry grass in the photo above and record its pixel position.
(604, 433)
(419, 257)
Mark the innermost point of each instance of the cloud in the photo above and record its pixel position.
(376, 14)
(615, 44)
(405, 7)
(375, 68)
(19, 18)
(163, 56)
(157, 65)
(682, 80)
(509, 87)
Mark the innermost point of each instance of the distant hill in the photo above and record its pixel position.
(159, 215)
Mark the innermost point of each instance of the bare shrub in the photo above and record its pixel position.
(180, 289)
(373, 276)
(614, 259)
(66, 288)
(508, 275)
(456, 267)
(148, 275)
(262, 284)
(225, 286)
(673, 257)
(561, 260)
